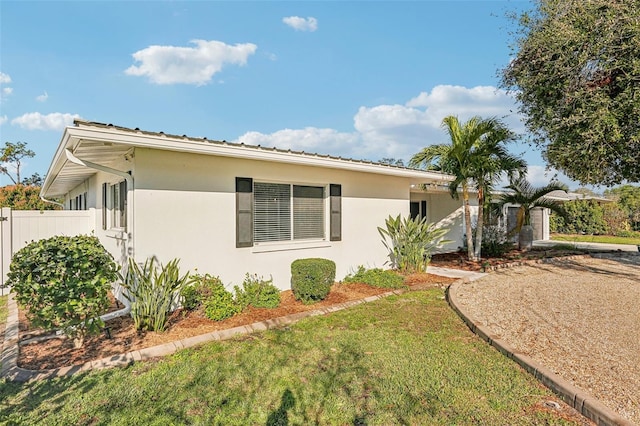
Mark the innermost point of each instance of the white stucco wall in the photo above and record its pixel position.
(185, 208)
(448, 213)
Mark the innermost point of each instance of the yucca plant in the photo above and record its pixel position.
(152, 290)
(411, 242)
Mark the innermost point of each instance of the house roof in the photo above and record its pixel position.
(107, 145)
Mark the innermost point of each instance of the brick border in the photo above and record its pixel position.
(585, 403)
(10, 349)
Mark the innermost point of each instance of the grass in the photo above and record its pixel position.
(606, 239)
(401, 360)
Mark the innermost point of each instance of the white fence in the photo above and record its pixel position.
(20, 227)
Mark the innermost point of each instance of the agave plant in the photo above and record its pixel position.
(411, 242)
(153, 290)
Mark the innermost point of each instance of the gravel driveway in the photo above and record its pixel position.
(580, 318)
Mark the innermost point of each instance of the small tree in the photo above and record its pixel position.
(13, 153)
(62, 282)
(527, 198)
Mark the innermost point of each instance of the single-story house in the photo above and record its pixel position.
(230, 209)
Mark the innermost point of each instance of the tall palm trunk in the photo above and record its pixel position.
(479, 225)
(467, 220)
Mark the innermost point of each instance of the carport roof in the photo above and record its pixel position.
(107, 145)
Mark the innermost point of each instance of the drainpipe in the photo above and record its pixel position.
(71, 157)
(51, 202)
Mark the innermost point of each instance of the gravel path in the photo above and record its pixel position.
(580, 318)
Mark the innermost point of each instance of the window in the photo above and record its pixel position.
(269, 212)
(117, 204)
(284, 212)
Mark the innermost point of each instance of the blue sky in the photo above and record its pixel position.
(360, 79)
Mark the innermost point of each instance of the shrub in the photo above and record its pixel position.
(258, 293)
(220, 304)
(411, 242)
(200, 287)
(311, 279)
(191, 298)
(628, 234)
(153, 291)
(208, 293)
(63, 282)
(494, 241)
(376, 278)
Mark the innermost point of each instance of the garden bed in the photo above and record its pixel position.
(120, 335)
(459, 260)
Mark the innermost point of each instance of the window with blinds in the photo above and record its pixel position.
(271, 212)
(308, 212)
(284, 212)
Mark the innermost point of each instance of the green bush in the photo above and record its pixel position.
(208, 293)
(494, 241)
(220, 304)
(63, 282)
(201, 287)
(258, 293)
(582, 217)
(311, 279)
(191, 299)
(411, 242)
(628, 234)
(376, 278)
(153, 291)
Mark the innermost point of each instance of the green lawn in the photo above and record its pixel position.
(402, 360)
(607, 239)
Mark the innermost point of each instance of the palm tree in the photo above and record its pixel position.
(475, 157)
(491, 162)
(528, 197)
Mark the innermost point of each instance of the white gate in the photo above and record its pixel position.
(20, 227)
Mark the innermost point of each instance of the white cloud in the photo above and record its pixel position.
(188, 65)
(309, 139)
(301, 24)
(396, 130)
(3, 119)
(43, 97)
(7, 91)
(4, 78)
(37, 121)
(541, 176)
(485, 101)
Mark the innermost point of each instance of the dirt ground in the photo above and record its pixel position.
(578, 317)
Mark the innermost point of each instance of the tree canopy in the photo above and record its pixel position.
(476, 157)
(576, 74)
(13, 154)
(23, 197)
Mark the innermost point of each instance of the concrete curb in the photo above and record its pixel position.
(585, 403)
(10, 348)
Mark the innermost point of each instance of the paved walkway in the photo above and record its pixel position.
(589, 246)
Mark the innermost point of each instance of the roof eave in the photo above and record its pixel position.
(72, 136)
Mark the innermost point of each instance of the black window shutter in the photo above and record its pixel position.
(335, 212)
(244, 212)
(423, 208)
